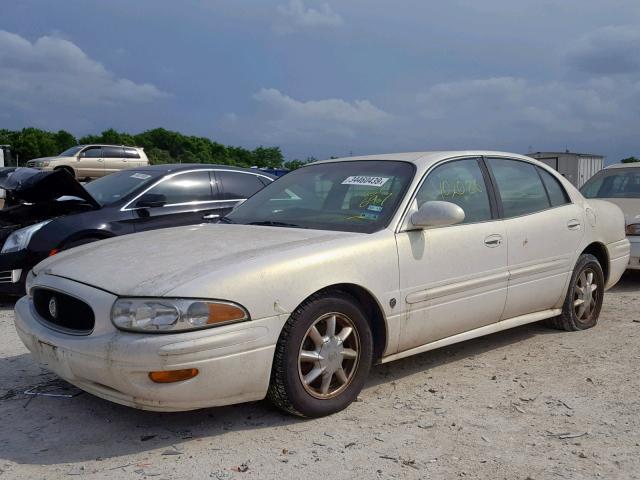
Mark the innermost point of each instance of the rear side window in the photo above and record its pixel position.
(460, 182)
(131, 152)
(235, 185)
(557, 194)
(519, 186)
(185, 188)
(112, 152)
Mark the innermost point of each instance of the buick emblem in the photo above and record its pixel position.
(53, 307)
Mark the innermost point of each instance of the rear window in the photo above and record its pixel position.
(614, 183)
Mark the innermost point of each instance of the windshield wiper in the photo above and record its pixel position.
(226, 220)
(271, 223)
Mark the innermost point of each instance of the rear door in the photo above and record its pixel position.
(113, 159)
(190, 198)
(235, 187)
(544, 231)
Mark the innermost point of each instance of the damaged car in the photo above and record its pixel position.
(336, 266)
(47, 212)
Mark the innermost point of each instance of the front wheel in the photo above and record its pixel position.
(583, 302)
(322, 358)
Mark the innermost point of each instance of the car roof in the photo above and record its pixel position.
(624, 165)
(425, 159)
(178, 167)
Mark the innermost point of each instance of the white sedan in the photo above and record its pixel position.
(334, 267)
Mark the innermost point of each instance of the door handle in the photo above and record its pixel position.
(493, 241)
(573, 224)
(211, 216)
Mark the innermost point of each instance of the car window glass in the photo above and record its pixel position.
(131, 153)
(112, 152)
(519, 186)
(235, 185)
(185, 187)
(460, 182)
(557, 193)
(92, 152)
(614, 183)
(354, 196)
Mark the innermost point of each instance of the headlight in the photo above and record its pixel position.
(173, 315)
(19, 239)
(44, 164)
(633, 229)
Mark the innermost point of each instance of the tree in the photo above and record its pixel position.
(267, 157)
(293, 164)
(630, 160)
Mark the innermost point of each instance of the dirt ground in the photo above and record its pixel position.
(530, 403)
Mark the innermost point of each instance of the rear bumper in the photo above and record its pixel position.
(619, 254)
(634, 259)
(234, 362)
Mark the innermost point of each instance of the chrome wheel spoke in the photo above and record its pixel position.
(326, 382)
(344, 333)
(349, 353)
(589, 278)
(341, 376)
(315, 337)
(308, 356)
(331, 326)
(313, 374)
(581, 310)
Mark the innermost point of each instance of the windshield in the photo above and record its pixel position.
(357, 196)
(614, 183)
(70, 152)
(114, 187)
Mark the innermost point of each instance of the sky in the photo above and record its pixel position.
(331, 78)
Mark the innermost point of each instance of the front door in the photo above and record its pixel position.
(90, 163)
(454, 278)
(544, 232)
(188, 200)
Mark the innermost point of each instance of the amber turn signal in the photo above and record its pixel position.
(224, 312)
(171, 376)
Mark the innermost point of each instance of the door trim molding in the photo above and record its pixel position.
(478, 332)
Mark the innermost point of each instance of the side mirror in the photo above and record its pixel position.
(437, 214)
(151, 200)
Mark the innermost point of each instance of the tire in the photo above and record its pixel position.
(577, 316)
(344, 358)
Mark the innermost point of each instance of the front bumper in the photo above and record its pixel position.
(634, 259)
(234, 362)
(14, 267)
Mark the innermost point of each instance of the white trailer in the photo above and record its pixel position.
(576, 167)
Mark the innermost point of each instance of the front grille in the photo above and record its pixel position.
(64, 311)
(6, 276)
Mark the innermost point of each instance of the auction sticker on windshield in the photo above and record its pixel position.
(365, 180)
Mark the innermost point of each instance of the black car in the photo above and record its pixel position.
(46, 212)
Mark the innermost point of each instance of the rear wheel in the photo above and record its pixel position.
(322, 358)
(583, 302)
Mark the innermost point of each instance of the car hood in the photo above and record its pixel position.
(156, 262)
(36, 186)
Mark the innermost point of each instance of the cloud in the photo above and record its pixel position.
(606, 51)
(283, 116)
(295, 16)
(516, 110)
(52, 72)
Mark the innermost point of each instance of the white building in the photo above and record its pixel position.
(576, 167)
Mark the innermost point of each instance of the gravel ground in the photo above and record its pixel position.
(527, 403)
